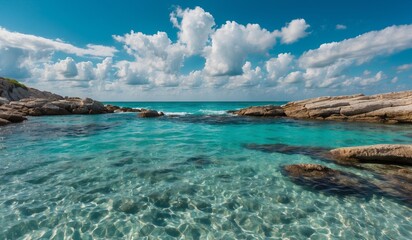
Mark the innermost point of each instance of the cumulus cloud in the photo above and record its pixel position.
(280, 66)
(292, 78)
(195, 27)
(294, 30)
(231, 43)
(251, 76)
(341, 27)
(67, 68)
(361, 48)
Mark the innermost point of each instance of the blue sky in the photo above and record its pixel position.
(207, 50)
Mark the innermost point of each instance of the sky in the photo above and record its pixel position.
(261, 50)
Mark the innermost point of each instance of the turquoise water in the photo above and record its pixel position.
(190, 176)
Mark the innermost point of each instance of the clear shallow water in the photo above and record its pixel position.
(116, 176)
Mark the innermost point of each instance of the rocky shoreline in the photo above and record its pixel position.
(381, 108)
(18, 101)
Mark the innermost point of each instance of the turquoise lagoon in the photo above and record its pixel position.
(188, 176)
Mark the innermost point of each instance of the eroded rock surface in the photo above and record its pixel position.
(381, 153)
(384, 108)
(381, 108)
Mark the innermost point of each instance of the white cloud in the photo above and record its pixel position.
(280, 66)
(327, 76)
(39, 44)
(341, 27)
(366, 72)
(157, 59)
(404, 67)
(67, 68)
(156, 52)
(292, 78)
(361, 48)
(195, 27)
(294, 30)
(232, 43)
(362, 82)
(250, 77)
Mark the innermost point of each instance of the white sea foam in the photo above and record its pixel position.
(176, 113)
(213, 112)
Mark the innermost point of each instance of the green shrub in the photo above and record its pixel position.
(15, 83)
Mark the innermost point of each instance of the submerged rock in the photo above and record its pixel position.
(150, 114)
(382, 153)
(321, 178)
(261, 111)
(314, 152)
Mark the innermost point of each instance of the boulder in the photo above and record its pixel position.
(12, 117)
(150, 114)
(381, 153)
(51, 109)
(261, 111)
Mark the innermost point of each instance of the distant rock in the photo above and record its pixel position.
(150, 114)
(261, 111)
(382, 153)
(111, 109)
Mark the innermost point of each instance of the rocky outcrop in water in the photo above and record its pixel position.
(150, 114)
(261, 111)
(18, 101)
(41, 106)
(114, 109)
(382, 153)
(383, 108)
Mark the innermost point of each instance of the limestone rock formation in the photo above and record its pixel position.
(381, 153)
(384, 108)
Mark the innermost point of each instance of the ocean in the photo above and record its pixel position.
(195, 174)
